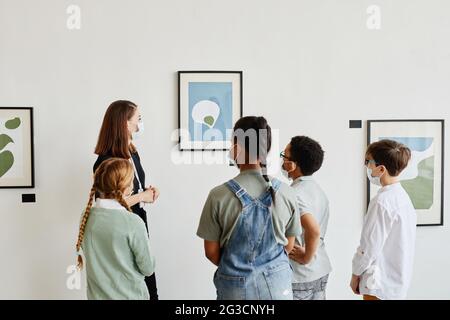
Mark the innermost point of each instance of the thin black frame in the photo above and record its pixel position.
(241, 86)
(442, 121)
(30, 109)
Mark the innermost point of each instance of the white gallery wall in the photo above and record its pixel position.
(309, 67)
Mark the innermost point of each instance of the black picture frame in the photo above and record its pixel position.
(442, 122)
(31, 185)
(241, 100)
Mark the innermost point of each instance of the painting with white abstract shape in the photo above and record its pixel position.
(422, 179)
(210, 106)
(210, 102)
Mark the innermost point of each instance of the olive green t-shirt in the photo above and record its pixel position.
(222, 208)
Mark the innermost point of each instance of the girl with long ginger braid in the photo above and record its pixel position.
(114, 241)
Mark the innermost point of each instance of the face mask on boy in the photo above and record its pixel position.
(284, 172)
(375, 180)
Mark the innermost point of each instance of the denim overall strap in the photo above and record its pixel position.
(253, 265)
(240, 193)
(266, 197)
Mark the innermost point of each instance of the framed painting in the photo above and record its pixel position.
(209, 103)
(423, 178)
(16, 148)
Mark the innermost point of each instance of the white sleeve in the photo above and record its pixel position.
(376, 228)
(304, 204)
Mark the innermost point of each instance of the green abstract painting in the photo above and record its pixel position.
(421, 189)
(418, 178)
(6, 156)
(16, 147)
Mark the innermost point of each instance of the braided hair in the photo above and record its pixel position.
(111, 178)
(255, 135)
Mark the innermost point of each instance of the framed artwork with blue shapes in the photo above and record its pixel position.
(209, 103)
(16, 148)
(423, 178)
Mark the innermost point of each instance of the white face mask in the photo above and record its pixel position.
(284, 172)
(231, 159)
(375, 180)
(140, 130)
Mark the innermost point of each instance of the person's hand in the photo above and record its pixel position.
(147, 196)
(354, 284)
(155, 193)
(298, 254)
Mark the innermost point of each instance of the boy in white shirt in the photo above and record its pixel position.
(383, 262)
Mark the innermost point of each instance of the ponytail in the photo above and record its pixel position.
(264, 143)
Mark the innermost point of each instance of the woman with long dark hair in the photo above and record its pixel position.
(122, 124)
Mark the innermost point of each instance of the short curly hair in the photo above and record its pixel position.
(307, 154)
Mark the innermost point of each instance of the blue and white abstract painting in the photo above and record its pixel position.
(210, 110)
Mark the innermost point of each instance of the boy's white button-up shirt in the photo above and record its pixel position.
(384, 258)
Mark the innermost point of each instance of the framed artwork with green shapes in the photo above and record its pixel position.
(423, 178)
(16, 148)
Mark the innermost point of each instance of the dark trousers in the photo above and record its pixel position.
(151, 286)
(149, 281)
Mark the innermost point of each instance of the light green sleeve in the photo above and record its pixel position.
(140, 247)
(209, 227)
